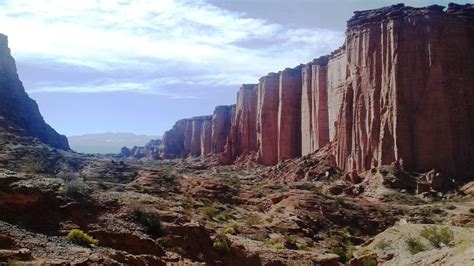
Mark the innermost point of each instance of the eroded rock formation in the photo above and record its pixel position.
(289, 114)
(17, 109)
(408, 91)
(243, 134)
(399, 89)
(267, 119)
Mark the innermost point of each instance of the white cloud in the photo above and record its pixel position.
(118, 35)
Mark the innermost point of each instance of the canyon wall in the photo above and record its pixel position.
(399, 89)
(314, 106)
(243, 133)
(289, 114)
(267, 119)
(408, 92)
(17, 109)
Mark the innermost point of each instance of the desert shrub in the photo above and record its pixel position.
(68, 176)
(221, 244)
(34, 167)
(76, 189)
(437, 236)
(229, 230)
(232, 228)
(80, 238)
(253, 220)
(148, 218)
(414, 245)
(209, 212)
(279, 245)
(450, 207)
(344, 254)
(471, 210)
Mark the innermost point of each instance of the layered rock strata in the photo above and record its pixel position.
(17, 109)
(399, 89)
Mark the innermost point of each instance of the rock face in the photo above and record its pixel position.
(206, 136)
(407, 89)
(243, 134)
(289, 114)
(150, 150)
(267, 119)
(399, 89)
(19, 110)
(221, 123)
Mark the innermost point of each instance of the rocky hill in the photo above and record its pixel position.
(399, 89)
(104, 143)
(18, 112)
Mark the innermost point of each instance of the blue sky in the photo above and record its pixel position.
(139, 65)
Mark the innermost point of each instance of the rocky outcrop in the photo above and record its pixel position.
(173, 140)
(407, 89)
(243, 134)
(150, 150)
(267, 119)
(399, 89)
(221, 123)
(17, 109)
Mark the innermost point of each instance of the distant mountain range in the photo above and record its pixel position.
(107, 142)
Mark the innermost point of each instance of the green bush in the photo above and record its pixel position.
(414, 245)
(437, 236)
(344, 254)
(229, 230)
(221, 244)
(68, 176)
(148, 218)
(80, 238)
(76, 189)
(471, 210)
(279, 246)
(209, 212)
(34, 167)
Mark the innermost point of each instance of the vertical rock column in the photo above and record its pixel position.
(197, 123)
(307, 141)
(314, 106)
(267, 119)
(221, 123)
(243, 135)
(206, 136)
(320, 116)
(188, 137)
(289, 114)
(173, 140)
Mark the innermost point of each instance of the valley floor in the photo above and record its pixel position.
(195, 211)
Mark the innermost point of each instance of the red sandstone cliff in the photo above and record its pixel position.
(314, 106)
(289, 114)
(267, 119)
(407, 94)
(400, 88)
(243, 134)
